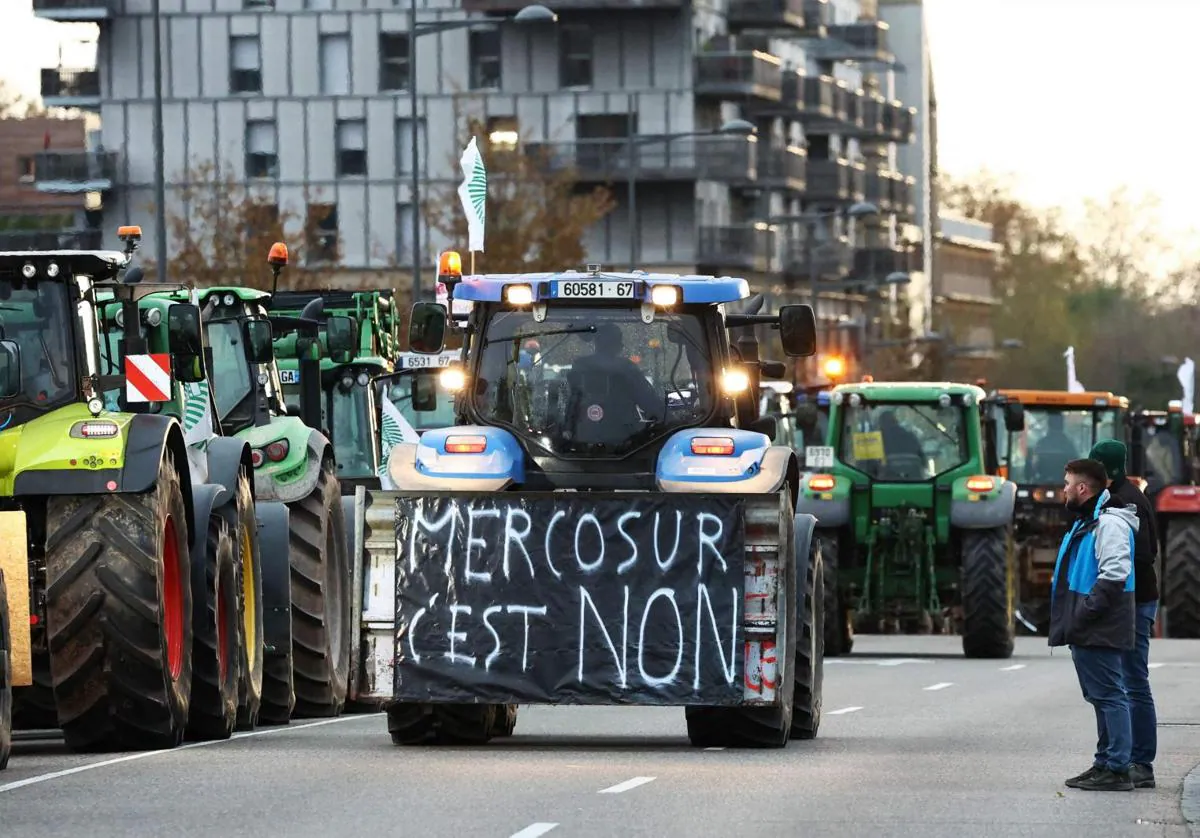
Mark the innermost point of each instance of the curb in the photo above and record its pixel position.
(1189, 803)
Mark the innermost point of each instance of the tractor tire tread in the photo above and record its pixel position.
(987, 624)
(213, 707)
(1181, 578)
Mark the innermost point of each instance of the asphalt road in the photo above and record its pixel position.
(916, 741)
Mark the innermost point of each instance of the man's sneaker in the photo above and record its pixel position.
(1106, 780)
(1142, 776)
(1074, 782)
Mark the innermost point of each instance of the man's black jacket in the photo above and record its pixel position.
(1146, 540)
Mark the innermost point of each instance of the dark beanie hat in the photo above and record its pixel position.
(1111, 453)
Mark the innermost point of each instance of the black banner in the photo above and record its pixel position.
(565, 598)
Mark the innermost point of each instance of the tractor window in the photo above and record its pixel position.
(904, 442)
(400, 394)
(231, 369)
(352, 439)
(594, 381)
(1053, 437)
(38, 318)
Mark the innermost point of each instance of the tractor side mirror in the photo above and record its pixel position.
(1014, 416)
(260, 348)
(427, 328)
(424, 392)
(184, 343)
(340, 338)
(10, 369)
(768, 425)
(773, 369)
(798, 330)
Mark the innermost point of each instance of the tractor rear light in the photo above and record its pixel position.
(94, 430)
(1183, 491)
(712, 445)
(980, 483)
(466, 444)
(277, 450)
(821, 483)
(256, 457)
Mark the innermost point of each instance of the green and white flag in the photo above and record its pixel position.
(395, 430)
(473, 194)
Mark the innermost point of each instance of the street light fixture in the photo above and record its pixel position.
(532, 14)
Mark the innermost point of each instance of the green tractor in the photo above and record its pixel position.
(915, 535)
(121, 548)
(307, 618)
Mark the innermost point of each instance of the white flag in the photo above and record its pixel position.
(473, 194)
(1073, 384)
(1187, 378)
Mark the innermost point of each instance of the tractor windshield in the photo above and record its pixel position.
(904, 442)
(353, 441)
(439, 414)
(1052, 437)
(594, 381)
(230, 372)
(37, 316)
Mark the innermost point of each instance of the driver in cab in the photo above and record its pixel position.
(612, 396)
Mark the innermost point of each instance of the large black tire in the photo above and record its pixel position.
(809, 665)
(6, 696)
(1180, 581)
(751, 726)
(118, 616)
(987, 595)
(441, 724)
(505, 721)
(248, 560)
(839, 632)
(321, 611)
(33, 705)
(274, 533)
(215, 663)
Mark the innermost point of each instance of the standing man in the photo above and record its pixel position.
(1092, 610)
(1136, 662)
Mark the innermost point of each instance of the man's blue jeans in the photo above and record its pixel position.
(1136, 665)
(1102, 679)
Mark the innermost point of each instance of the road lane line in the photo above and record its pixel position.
(66, 772)
(627, 785)
(717, 748)
(940, 686)
(1153, 665)
(534, 830)
(843, 710)
(1012, 668)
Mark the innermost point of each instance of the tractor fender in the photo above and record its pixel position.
(803, 528)
(318, 450)
(204, 499)
(832, 512)
(754, 467)
(994, 509)
(227, 457)
(274, 522)
(427, 465)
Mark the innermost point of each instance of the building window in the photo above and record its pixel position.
(245, 64)
(258, 4)
(404, 236)
(393, 61)
(335, 64)
(351, 147)
(575, 57)
(484, 52)
(322, 229)
(262, 157)
(262, 221)
(404, 145)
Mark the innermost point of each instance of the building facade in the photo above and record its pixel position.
(308, 103)
(965, 297)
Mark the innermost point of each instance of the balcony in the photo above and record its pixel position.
(74, 10)
(904, 196)
(865, 40)
(878, 262)
(766, 14)
(835, 181)
(831, 106)
(748, 247)
(817, 16)
(51, 240)
(727, 159)
(872, 109)
(814, 96)
(899, 122)
(830, 261)
(879, 189)
(783, 168)
(63, 88)
(74, 171)
(743, 73)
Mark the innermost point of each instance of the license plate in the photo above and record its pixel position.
(818, 456)
(289, 376)
(603, 290)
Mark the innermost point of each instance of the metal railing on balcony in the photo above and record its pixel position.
(74, 10)
(828, 181)
(741, 73)
(74, 170)
(873, 108)
(746, 246)
(904, 196)
(51, 239)
(864, 40)
(62, 83)
(817, 97)
(766, 14)
(783, 167)
(829, 260)
(817, 17)
(669, 158)
(878, 189)
(899, 121)
(877, 262)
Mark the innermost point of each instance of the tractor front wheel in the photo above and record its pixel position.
(1181, 578)
(215, 670)
(441, 724)
(838, 628)
(987, 600)
(810, 649)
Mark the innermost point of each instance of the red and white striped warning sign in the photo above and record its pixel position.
(148, 378)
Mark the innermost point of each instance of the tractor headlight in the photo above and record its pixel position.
(363, 379)
(95, 406)
(228, 300)
(735, 381)
(153, 317)
(52, 270)
(28, 271)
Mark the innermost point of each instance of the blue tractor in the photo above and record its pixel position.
(606, 521)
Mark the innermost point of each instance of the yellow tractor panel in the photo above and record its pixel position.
(14, 561)
(1065, 398)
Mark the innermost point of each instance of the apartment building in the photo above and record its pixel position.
(312, 97)
(965, 296)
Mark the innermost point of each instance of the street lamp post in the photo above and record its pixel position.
(530, 14)
(732, 128)
(160, 176)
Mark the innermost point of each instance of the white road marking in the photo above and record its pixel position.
(940, 686)
(627, 785)
(66, 772)
(534, 830)
(888, 662)
(1153, 665)
(720, 748)
(1012, 668)
(844, 710)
